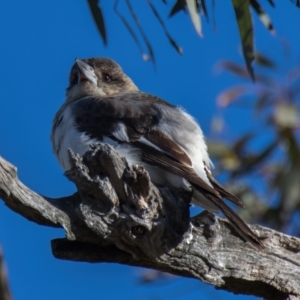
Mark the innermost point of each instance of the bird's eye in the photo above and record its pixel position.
(107, 77)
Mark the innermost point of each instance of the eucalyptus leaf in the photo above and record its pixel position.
(264, 61)
(242, 142)
(138, 24)
(290, 189)
(233, 68)
(286, 115)
(231, 162)
(263, 16)
(160, 20)
(131, 31)
(243, 17)
(195, 17)
(263, 101)
(230, 95)
(297, 2)
(290, 142)
(178, 6)
(98, 18)
(271, 3)
(204, 9)
(252, 161)
(217, 148)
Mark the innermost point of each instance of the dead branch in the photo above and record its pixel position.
(119, 216)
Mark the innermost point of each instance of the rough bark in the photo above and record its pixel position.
(119, 216)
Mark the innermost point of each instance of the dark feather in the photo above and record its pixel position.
(169, 146)
(224, 193)
(161, 160)
(101, 117)
(139, 116)
(239, 225)
(166, 162)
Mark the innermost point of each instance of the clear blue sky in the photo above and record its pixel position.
(39, 42)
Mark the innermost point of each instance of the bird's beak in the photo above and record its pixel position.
(86, 72)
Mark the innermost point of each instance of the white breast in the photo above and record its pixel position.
(180, 126)
(66, 136)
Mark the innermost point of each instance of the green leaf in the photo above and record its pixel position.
(230, 95)
(264, 154)
(271, 3)
(228, 160)
(195, 17)
(213, 4)
(230, 163)
(263, 16)
(264, 61)
(242, 142)
(297, 2)
(137, 22)
(263, 101)
(204, 9)
(250, 162)
(286, 115)
(287, 184)
(243, 17)
(218, 148)
(126, 24)
(289, 138)
(178, 6)
(171, 40)
(233, 68)
(98, 18)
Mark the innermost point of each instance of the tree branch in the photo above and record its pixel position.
(118, 215)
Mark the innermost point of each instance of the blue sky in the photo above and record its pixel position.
(39, 42)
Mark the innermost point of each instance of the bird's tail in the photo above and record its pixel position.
(238, 224)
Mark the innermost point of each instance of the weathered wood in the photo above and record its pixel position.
(119, 216)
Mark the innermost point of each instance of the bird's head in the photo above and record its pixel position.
(97, 77)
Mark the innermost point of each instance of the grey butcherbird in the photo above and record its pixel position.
(103, 105)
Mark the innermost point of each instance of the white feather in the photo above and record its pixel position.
(178, 125)
(66, 136)
(185, 131)
(121, 133)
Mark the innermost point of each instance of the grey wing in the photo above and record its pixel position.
(134, 118)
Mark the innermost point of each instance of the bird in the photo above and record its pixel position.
(103, 105)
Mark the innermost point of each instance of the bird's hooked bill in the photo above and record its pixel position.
(85, 72)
